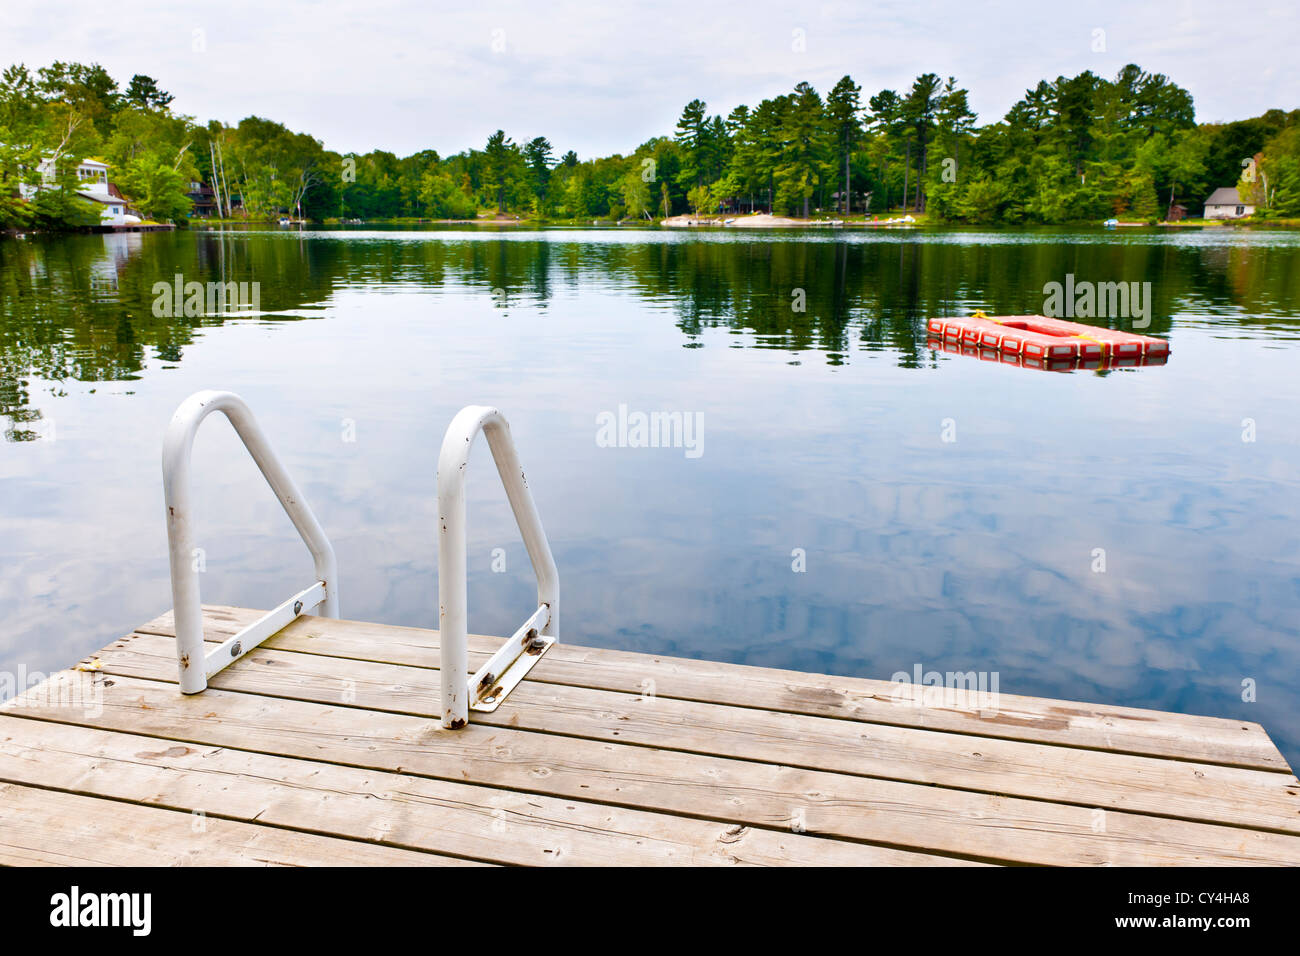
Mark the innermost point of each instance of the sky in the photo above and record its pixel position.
(602, 77)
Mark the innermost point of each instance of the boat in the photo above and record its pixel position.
(1039, 338)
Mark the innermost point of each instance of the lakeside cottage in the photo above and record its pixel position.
(1226, 203)
(203, 199)
(93, 186)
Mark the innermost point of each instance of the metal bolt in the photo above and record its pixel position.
(234, 649)
(297, 608)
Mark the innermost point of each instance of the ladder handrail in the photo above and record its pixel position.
(543, 627)
(187, 605)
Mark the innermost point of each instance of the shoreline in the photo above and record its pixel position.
(712, 222)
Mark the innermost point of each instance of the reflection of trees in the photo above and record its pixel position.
(80, 307)
(871, 295)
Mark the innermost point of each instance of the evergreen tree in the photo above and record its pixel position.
(842, 108)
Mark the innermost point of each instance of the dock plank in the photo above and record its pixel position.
(417, 813)
(1165, 787)
(1074, 724)
(890, 813)
(43, 827)
(324, 746)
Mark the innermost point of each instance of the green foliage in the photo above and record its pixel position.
(701, 199)
(635, 193)
(1076, 148)
(62, 209)
(156, 189)
(538, 159)
(1278, 175)
(144, 93)
(441, 196)
(149, 153)
(503, 170)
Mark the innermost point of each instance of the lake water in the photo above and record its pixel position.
(949, 513)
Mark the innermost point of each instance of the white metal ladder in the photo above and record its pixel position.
(514, 659)
(491, 683)
(196, 666)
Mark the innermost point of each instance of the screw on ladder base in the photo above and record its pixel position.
(532, 643)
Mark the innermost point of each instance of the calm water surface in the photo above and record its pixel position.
(822, 431)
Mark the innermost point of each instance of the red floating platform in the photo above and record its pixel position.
(1041, 339)
(953, 347)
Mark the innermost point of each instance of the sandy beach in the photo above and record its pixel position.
(755, 221)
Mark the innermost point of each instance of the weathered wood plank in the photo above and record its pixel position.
(417, 813)
(47, 828)
(763, 795)
(1194, 791)
(1078, 725)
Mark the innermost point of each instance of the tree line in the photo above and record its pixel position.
(1077, 148)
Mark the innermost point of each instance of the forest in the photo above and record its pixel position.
(1072, 149)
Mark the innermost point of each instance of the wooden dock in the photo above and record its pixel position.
(323, 746)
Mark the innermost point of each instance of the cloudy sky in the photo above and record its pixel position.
(601, 77)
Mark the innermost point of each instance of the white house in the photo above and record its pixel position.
(92, 178)
(1225, 203)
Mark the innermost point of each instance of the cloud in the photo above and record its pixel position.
(601, 79)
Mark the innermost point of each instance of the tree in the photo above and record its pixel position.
(955, 117)
(766, 137)
(693, 138)
(307, 177)
(635, 193)
(1071, 149)
(1174, 160)
(20, 105)
(842, 108)
(1277, 181)
(537, 156)
(442, 197)
(277, 171)
(502, 161)
(144, 93)
(701, 199)
(886, 121)
(145, 141)
(919, 108)
(805, 140)
(87, 90)
(157, 189)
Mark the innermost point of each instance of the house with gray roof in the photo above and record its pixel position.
(1226, 203)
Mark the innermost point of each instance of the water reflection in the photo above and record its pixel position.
(81, 308)
(970, 554)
